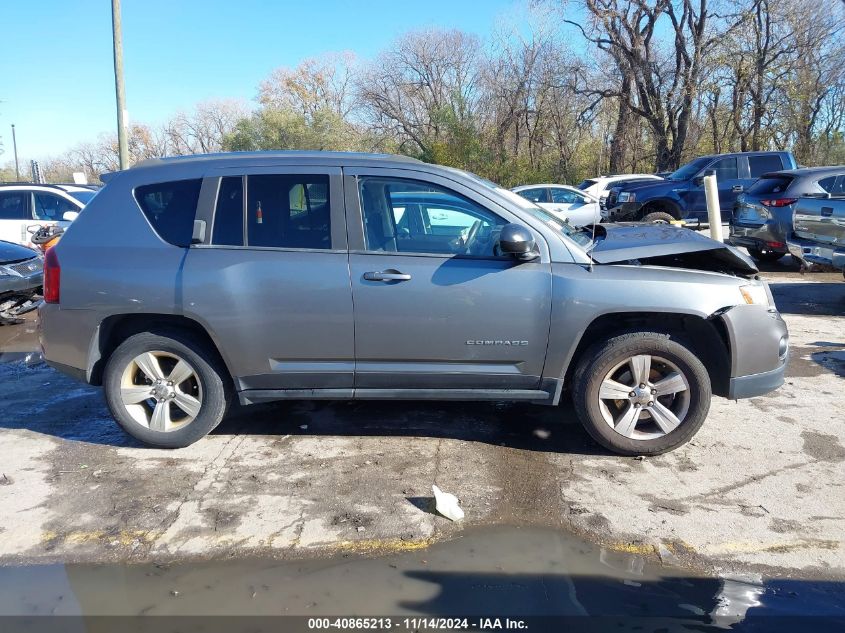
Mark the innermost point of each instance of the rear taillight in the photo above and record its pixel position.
(780, 202)
(52, 276)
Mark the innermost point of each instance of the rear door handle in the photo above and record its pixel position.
(738, 188)
(387, 275)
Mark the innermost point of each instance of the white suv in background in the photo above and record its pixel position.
(28, 204)
(599, 186)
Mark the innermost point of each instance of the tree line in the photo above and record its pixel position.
(591, 87)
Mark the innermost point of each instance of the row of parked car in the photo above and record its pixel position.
(773, 206)
(24, 209)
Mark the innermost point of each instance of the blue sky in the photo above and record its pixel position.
(56, 72)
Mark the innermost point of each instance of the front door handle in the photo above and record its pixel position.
(738, 188)
(387, 275)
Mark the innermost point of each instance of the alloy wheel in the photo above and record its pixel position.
(644, 397)
(161, 391)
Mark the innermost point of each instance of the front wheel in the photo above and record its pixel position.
(641, 393)
(166, 389)
(658, 217)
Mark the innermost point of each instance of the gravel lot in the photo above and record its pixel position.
(761, 486)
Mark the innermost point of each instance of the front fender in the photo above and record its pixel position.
(758, 339)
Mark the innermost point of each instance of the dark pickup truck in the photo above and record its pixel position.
(818, 234)
(681, 195)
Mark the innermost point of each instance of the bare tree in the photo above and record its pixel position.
(812, 93)
(317, 84)
(203, 130)
(426, 80)
(664, 79)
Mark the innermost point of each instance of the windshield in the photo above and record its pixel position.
(690, 169)
(83, 196)
(586, 184)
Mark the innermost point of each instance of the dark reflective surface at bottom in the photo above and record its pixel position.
(546, 579)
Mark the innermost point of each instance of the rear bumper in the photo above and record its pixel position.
(69, 339)
(816, 254)
(756, 236)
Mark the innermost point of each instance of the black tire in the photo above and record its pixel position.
(658, 217)
(209, 371)
(765, 255)
(601, 358)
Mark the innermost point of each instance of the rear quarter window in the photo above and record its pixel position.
(768, 186)
(763, 163)
(834, 185)
(170, 208)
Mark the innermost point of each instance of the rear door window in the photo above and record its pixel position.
(170, 208)
(13, 205)
(766, 163)
(536, 194)
(289, 211)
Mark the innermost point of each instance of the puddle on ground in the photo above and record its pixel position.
(500, 572)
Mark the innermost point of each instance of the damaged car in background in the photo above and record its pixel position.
(382, 277)
(817, 239)
(21, 277)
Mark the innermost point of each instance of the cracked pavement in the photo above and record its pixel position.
(760, 486)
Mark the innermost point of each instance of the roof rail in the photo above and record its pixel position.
(55, 185)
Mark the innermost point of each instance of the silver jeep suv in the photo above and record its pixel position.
(188, 282)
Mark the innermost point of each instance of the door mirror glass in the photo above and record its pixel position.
(517, 241)
(70, 216)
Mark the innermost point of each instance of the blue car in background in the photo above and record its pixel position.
(681, 195)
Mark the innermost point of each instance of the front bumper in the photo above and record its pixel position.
(816, 254)
(759, 345)
(621, 211)
(10, 284)
(756, 384)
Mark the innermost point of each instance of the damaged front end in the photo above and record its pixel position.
(666, 245)
(21, 278)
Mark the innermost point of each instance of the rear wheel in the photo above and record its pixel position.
(167, 390)
(765, 254)
(658, 217)
(641, 393)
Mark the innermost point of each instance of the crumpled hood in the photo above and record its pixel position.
(10, 252)
(666, 245)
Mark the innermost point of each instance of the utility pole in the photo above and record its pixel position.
(15, 146)
(123, 148)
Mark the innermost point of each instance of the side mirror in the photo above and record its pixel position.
(70, 216)
(517, 241)
(699, 180)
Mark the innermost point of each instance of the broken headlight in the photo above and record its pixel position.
(755, 294)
